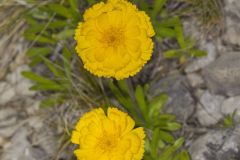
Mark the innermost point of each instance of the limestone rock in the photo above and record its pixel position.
(217, 145)
(230, 105)
(209, 109)
(223, 75)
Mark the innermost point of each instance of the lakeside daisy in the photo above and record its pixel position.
(108, 137)
(114, 39)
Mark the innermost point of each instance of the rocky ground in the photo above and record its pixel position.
(201, 98)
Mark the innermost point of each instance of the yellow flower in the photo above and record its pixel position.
(110, 137)
(114, 40)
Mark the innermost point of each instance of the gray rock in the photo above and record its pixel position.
(223, 75)
(209, 109)
(2, 141)
(16, 147)
(230, 105)
(195, 80)
(232, 12)
(8, 122)
(33, 107)
(7, 112)
(22, 88)
(36, 122)
(3, 87)
(232, 34)
(20, 83)
(200, 63)
(16, 76)
(217, 145)
(19, 148)
(192, 29)
(13, 49)
(232, 6)
(7, 93)
(180, 100)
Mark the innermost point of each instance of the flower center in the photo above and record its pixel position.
(113, 37)
(107, 143)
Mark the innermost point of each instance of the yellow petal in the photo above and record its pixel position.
(78, 31)
(83, 43)
(75, 137)
(93, 12)
(124, 121)
(133, 31)
(115, 18)
(101, 54)
(133, 45)
(102, 22)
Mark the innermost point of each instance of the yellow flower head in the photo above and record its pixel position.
(114, 40)
(110, 137)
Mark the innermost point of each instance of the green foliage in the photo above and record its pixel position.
(209, 13)
(160, 143)
(170, 27)
(188, 49)
(51, 29)
(229, 120)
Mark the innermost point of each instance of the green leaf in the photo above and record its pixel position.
(48, 87)
(42, 83)
(56, 71)
(154, 142)
(65, 34)
(184, 155)
(67, 55)
(178, 143)
(30, 20)
(36, 51)
(172, 54)
(171, 126)
(39, 38)
(91, 2)
(144, 5)
(34, 29)
(147, 145)
(40, 14)
(36, 78)
(51, 101)
(36, 54)
(58, 24)
(176, 157)
(167, 153)
(161, 144)
(156, 105)
(124, 100)
(165, 32)
(180, 36)
(147, 157)
(60, 10)
(73, 4)
(141, 101)
(123, 86)
(169, 22)
(166, 136)
(229, 121)
(166, 117)
(190, 42)
(197, 53)
(157, 7)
